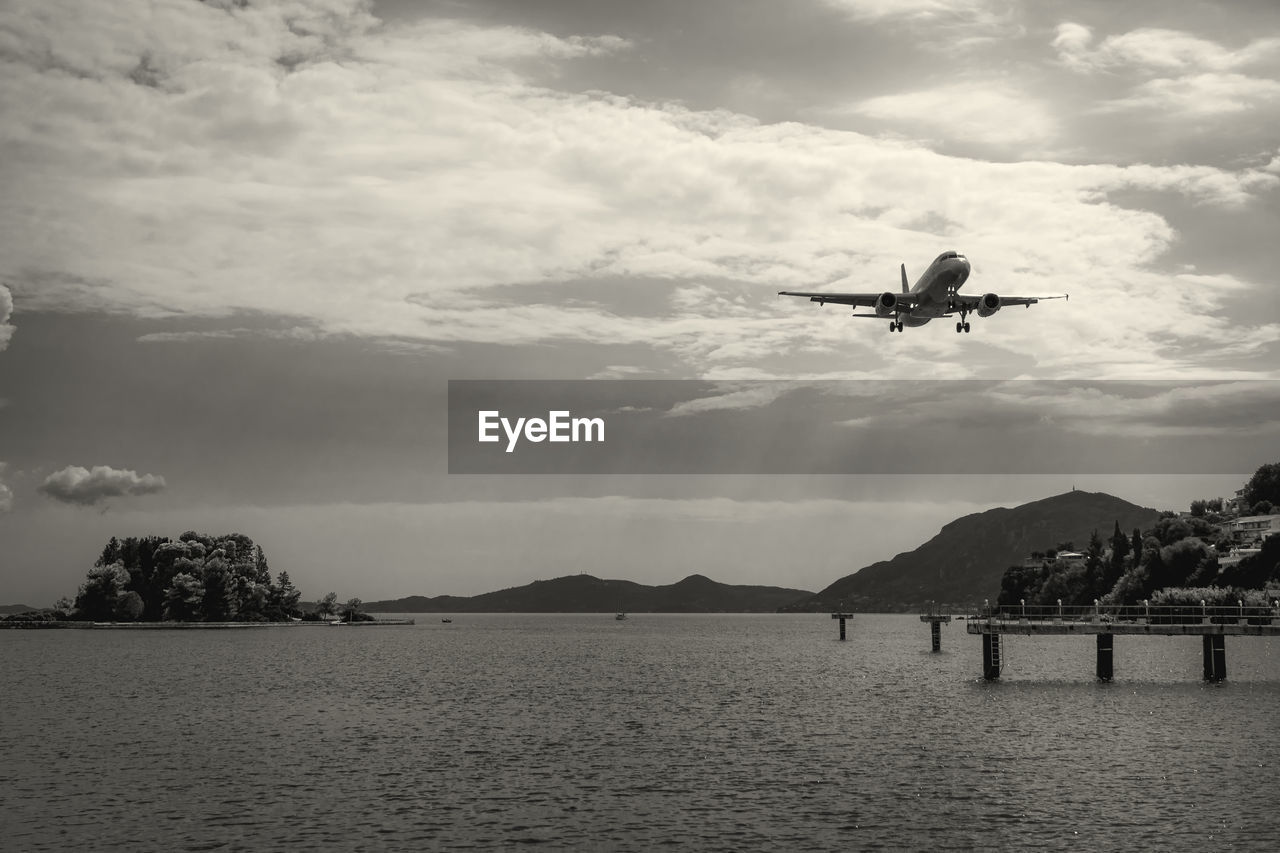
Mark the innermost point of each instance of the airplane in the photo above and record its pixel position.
(936, 294)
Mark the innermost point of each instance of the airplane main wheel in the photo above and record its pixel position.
(959, 328)
(966, 327)
(899, 325)
(893, 327)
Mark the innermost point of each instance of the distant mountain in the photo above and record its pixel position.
(8, 609)
(588, 594)
(964, 563)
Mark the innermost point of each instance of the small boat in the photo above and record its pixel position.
(446, 620)
(620, 616)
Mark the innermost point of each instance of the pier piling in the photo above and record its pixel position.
(1106, 643)
(935, 617)
(990, 656)
(842, 617)
(1215, 657)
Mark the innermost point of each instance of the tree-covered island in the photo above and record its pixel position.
(194, 578)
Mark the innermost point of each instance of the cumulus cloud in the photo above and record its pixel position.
(1185, 75)
(85, 486)
(1199, 95)
(6, 311)
(310, 162)
(1154, 49)
(951, 27)
(991, 114)
(6, 494)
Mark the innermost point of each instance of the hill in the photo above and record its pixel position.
(9, 609)
(963, 564)
(588, 594)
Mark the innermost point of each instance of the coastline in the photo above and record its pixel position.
(188, 626)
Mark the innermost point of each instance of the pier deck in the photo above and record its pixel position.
(1166, 621)
(1213, 624)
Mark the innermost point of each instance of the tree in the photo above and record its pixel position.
(1130, 589)
(1170, 530)
(351, 610)
(1256, 570)
(184, 599)
(1066, 584)
(1135, 546)
(286, 597)
(1173, 565)
(168, 560)
(129, 607)
(260, 565)
(328, 605)
(1264, 485)
(252, 599)
(1263, 507)
(219, 590)
(110, 554)
(1094, 574)
(1120, 549)
(96, 598)
(1020, 583)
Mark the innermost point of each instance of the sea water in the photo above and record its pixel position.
(578, 731)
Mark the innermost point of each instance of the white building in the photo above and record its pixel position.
(1251, 529)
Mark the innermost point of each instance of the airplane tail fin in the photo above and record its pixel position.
(904, 279)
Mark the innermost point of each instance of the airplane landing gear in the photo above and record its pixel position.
(963, 325)
(895, 325)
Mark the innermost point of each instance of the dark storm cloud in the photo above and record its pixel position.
(84, 486)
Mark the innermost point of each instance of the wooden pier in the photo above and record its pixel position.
(1214, 624)
(841, 615)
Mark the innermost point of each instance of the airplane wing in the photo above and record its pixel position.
(971, 302)
(858, 300)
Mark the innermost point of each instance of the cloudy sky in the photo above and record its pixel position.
(245, 245)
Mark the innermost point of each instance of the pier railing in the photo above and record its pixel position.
(1149, 614)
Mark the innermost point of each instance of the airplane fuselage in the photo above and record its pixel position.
(935, 288)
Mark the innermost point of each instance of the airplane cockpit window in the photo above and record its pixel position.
(947, 256)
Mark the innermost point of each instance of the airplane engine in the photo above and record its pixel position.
(988, 305)
(886, 304)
